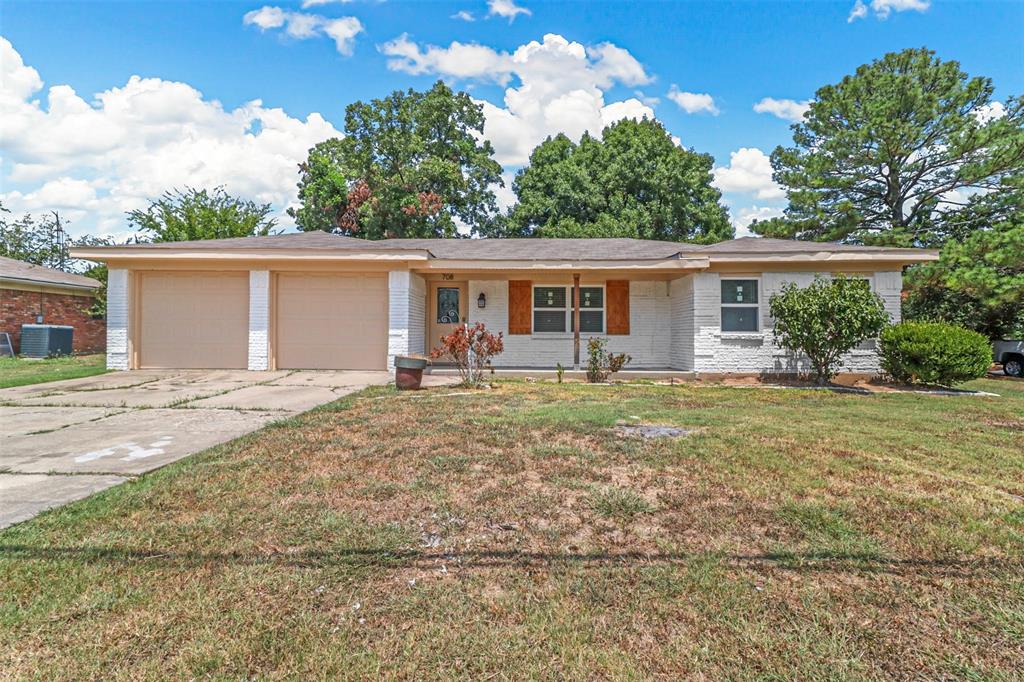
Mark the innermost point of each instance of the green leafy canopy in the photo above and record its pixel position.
(413, 164)
(978, 281)
(191, 214)
(634, 181)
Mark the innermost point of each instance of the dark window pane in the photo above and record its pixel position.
(549, 297)
(549, 320)
(591, 297)
(447, 305)
(739, 319)
(739, 291)
(591, 321)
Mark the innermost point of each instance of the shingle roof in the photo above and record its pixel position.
(546, 249)
(27, 272)
(291, 240)
(524, 249)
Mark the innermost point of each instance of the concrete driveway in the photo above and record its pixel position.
(65, 440)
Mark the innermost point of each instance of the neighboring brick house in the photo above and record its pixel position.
(32, 294)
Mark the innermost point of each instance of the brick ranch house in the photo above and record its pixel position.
(322, 301)
(31, 294)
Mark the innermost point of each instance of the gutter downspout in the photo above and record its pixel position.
(576, 321)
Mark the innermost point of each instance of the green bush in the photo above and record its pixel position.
(826, 319)
(934, 353)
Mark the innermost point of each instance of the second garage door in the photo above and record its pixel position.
(331, 321)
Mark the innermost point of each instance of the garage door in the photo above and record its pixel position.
(330, 321)
(194, 320)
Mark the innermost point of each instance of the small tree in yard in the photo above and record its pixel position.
(471, 350)
(826, 320)
(600, 363)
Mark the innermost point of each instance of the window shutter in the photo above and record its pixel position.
(520, 306)
(617, 306)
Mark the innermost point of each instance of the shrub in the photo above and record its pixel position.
(600, 363)
(826, 320)
(934, 353)
(471, 350)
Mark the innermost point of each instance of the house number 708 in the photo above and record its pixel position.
(447, 276)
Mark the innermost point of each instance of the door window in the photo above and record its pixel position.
(448, 305)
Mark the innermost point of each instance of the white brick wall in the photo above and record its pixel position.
(681, 303)
(117, 319)
(715, 351)
(259, 319)
(417, 314)
(648, 341)
(406, 314)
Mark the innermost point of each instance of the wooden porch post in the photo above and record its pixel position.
(576, 321)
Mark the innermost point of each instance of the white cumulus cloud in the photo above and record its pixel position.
(306, 4)
(302, 26)
(749, 172)
(786, 109)
(990, 112)
(506, 9)
(743, 217)
(561, 86)
(883, 8)
(96, 158)
(458, 60)
(464, 15)
(693, 102)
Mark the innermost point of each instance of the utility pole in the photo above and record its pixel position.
(61, 239)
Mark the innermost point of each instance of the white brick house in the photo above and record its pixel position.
(316, 300)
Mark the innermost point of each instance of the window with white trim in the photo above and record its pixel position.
(740, 307)
(552, 309)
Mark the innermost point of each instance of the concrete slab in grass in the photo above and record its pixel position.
(25, 496)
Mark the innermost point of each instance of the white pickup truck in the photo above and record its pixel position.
(1010, 354)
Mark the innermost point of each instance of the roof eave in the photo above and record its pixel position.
(48, 283)
(921, 256)
(115, 254)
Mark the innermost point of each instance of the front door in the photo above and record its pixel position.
(447, 309)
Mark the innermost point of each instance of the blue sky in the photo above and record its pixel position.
(152, 95)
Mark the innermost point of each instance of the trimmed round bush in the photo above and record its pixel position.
(934, 353)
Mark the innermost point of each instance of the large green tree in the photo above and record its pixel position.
(887, 154)
(634, 181)
(413, 164)
(190, 214)
(978, 281)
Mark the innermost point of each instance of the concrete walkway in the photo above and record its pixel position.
(66, 440)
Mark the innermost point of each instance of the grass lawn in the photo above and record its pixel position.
(511, 534)
(22, 371)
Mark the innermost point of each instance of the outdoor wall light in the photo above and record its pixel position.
(481, 301)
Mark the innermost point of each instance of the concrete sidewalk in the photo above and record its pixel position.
(66, 440)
